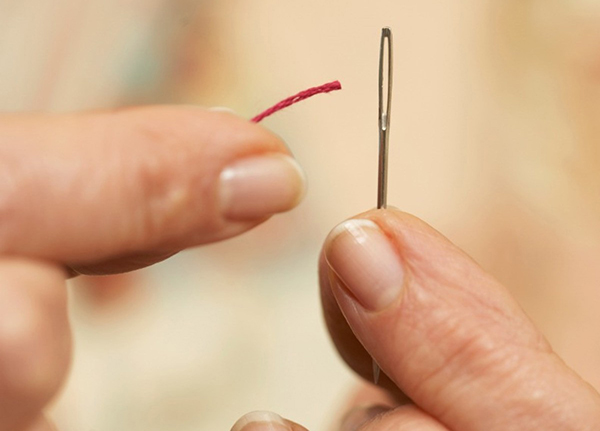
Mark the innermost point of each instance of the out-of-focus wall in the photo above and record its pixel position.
(494, 141)
(541, 234)
(64, 55)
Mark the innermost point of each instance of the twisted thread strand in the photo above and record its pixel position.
(325, 88)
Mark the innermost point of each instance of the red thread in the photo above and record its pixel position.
(326, 88)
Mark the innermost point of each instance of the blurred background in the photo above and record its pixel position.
(495, 142)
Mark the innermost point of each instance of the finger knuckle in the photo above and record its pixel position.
(164, 196)
(480, 348)
(154, 180)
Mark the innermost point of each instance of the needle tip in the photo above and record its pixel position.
(376, 372)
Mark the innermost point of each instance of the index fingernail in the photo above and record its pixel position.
(260, 186)
(364, 259)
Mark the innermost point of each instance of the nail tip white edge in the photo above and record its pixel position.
(352, 224)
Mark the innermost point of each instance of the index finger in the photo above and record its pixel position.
(83, 188)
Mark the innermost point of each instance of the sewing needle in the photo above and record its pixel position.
(385, 105)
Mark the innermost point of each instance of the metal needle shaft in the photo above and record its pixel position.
(385, 109)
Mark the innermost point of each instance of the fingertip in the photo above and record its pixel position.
(35, 342)
(265, 421)
(350, 349)
(403, 418)
(358, 416)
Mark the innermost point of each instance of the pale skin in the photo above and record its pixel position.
(457, 351)
(109, 192)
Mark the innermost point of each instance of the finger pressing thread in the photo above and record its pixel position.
(325, 88)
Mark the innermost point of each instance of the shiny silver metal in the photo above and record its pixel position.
(385, 111)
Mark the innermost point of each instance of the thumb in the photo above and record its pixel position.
(445, 332)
